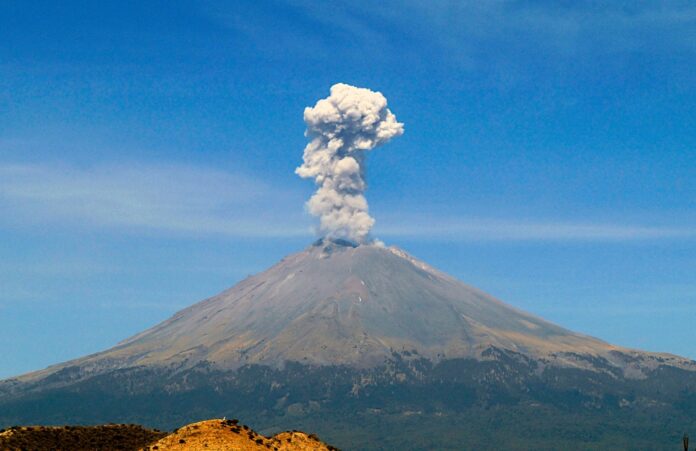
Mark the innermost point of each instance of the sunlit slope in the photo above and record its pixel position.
(336, 303)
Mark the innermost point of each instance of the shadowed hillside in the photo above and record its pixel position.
(78, 438)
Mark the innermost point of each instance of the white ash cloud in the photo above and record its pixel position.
(342, 128)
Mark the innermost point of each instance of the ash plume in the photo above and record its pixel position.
(342, 128)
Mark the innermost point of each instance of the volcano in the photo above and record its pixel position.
(369, 337)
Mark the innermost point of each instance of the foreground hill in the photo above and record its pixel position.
(226, 435)
(211, 435)
(78, 438)
(373, 349)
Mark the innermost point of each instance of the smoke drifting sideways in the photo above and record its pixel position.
(342, 129)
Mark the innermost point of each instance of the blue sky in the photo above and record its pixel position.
(147, 152)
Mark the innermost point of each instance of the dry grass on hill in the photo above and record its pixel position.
(229, 435)
(209, 435)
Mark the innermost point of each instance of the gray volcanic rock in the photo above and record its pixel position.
(372, 349)
(336, 303)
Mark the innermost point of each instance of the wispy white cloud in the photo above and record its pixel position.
(202, 201)
(515, 230)
(462, 28)
(170, 198)
(567, 28)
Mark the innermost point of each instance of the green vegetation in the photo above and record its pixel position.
(507, 402)
(77, 438)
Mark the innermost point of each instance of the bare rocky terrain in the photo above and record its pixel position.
(212, 435)
(226, 435)
(340, 304)
(360, 343)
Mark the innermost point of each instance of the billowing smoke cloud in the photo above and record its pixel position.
(342, 128)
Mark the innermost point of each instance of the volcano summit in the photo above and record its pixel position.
(337, 303)
(352, 340)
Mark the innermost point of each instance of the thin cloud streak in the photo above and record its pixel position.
(460, 28)
(498, 230)
(195, 201)
(165, 198)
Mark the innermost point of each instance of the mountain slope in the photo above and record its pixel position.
(336, 303)
(361, 343)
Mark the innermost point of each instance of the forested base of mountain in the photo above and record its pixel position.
(509, 428)
(508, 402)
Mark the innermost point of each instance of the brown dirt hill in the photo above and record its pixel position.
(77, 438)
(229, 435)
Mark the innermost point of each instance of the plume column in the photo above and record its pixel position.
(342, 128)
